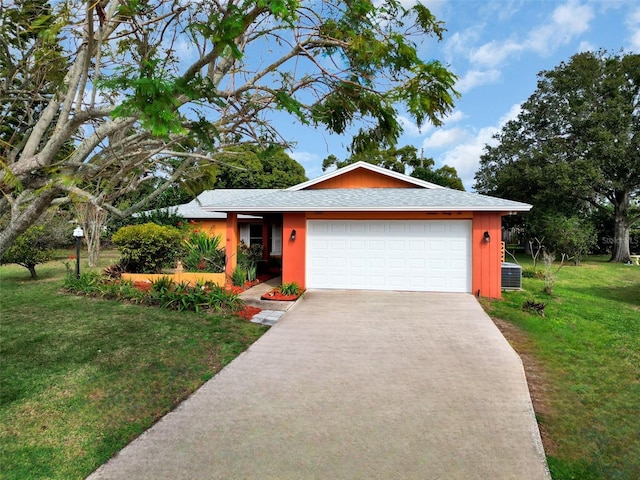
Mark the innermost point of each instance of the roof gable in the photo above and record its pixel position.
(363, 175)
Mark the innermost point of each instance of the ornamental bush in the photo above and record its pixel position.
(203, 253)
(149, 247)
(29, 249)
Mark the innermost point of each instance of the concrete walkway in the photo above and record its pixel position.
(272, 311)
(355, 385)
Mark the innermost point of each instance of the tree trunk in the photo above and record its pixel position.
(21, 220)
(92, 218)
(620, 251)
(32, 271)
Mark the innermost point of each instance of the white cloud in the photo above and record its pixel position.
(443, 138)
(454, 117)
(586, 46)
(311, 162)
(461, 43)
(572, 17)
(633, 23)
(475, 78)
(465, 157)
(567, 22)
(495, 53)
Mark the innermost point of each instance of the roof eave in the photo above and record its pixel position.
(435, 208)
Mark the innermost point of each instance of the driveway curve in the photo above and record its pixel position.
(355, 385)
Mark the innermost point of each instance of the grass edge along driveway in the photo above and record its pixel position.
(583, 365)
(82, 377)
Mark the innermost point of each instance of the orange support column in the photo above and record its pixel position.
(486, 242)
(294, 238)
(231, 249)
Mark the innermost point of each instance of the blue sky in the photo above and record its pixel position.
(497, 49)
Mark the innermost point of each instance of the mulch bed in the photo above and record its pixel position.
(248, 312)
(142, 286)
(276, 295)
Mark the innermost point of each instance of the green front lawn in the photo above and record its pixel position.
(81, 377)
(588, 346)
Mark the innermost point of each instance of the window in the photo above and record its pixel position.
(251, 233)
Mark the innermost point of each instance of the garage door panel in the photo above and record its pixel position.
(419, 255)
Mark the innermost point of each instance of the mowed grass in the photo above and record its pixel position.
(588, 344)
(81, 377)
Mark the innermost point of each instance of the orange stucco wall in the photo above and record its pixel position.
(212, 227)
(294, 251)
(361, 178)
(486, 257)
(231, 247)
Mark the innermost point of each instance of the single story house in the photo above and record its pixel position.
(366, 227)
(251, 228)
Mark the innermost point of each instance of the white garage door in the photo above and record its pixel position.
(414, 255)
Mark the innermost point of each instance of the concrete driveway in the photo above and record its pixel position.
(355, 385)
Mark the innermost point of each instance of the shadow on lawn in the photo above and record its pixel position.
(619, 293)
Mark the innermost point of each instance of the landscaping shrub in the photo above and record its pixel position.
(203, 253)
(148, 248)
(95, 285)
(239, 276)
(248, 258)
(290, 289)
(30, 249)
(164, 293)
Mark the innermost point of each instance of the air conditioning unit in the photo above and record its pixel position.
(511, 276)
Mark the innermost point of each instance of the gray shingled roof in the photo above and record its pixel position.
(194, 209)
(359, 199)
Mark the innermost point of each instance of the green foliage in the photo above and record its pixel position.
(446, 176)
(532, 272)
(30, 249)
(248, 258)
(203, 253)
(95, 285)
(149, 247)
(163, 293)
(252, 167)
(574, 145)
(166, 217)
(338, 67)
(239, 276)
(291, 288)
(587, 352)
(182, 297)
(30, 57)
(155, 98)
(570, 237)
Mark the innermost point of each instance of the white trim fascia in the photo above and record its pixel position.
(368, 166)
(435, 208)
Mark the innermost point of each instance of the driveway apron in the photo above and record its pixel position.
(355, 385)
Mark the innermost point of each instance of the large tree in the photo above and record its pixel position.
(575, 145)
(125, 85)
(249, 167)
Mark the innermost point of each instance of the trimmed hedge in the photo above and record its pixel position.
(149, 247)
